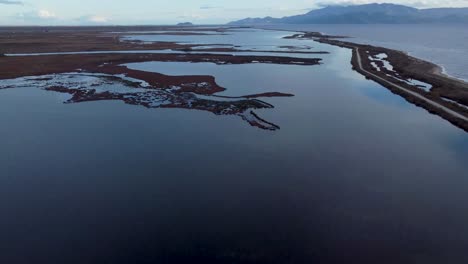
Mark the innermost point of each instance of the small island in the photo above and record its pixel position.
(185, 24)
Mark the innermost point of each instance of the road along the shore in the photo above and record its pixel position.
(417, 95)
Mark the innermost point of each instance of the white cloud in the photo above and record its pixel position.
(192, 16)
(37, 16)
(208, 11)
(93, 19)
(46, 14)
(98, 19)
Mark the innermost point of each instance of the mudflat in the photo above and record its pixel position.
(83, 51)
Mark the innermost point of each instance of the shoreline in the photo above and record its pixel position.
(443, 71)
(85, 63)
(420, 82)
(439, 69)
(447, 96)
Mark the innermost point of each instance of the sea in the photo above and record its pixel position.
(442, 44)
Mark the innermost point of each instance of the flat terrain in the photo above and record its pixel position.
(105, 50)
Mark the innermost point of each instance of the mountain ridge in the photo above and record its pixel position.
(367, 14)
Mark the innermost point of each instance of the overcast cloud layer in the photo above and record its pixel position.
(73, 12)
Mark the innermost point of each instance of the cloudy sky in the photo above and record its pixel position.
(72, 12)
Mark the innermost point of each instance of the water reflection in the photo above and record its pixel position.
(348, 178)
(86, 87)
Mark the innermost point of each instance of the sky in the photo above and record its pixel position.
(126, 12)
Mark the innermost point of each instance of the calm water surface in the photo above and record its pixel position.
(443, 44)
(355, 175)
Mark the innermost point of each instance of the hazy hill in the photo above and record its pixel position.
(368, 14)
(185, 24)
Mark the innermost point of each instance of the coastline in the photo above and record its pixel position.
(443, 71)
(420, 82)
(439, 69)
(364, 41)
(86, 64)
(447, 96)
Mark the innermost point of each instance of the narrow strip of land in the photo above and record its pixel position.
(419, 96)
(446, 96)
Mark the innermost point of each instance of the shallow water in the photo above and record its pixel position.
(166, 51)
(355, 174)
(251, 42)
(389, 67)
(241, 38)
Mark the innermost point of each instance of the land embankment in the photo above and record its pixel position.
(420, 82)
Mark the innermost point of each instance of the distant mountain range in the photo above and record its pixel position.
(367, 14)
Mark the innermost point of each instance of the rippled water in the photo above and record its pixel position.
(355, 174)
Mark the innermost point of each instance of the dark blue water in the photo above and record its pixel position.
(354, 175)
